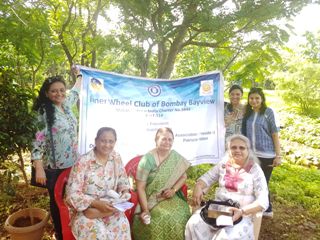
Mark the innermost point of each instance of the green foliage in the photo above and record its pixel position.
(300, 87)
(297, 185)
(9, 178)
(16, 121)
(299, 79)
(17, 126)
(303, 130)
(197, 171)
(312, 48)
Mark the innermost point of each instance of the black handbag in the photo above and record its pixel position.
(51, 173)
(212, 221)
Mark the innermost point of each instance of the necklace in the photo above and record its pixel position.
(101, 159)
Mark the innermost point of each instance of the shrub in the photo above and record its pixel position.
(300, 87)
(16, 124)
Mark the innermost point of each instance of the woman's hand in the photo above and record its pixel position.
(276, 161)
(168, 193)
(125, 195)
(142, 215)
(75, 70)
(40, 173)
(103, 206)
(237, 213)
(197, 195)
(93, 213)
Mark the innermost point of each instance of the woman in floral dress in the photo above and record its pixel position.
(91, 180)
(57, 129)
(233, 111)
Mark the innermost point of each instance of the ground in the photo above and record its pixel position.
(288, 223)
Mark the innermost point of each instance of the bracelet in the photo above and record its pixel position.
(175, 190)
(79, 75)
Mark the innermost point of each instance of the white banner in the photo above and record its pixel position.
(136, 107)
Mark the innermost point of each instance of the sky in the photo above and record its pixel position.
(307, 20)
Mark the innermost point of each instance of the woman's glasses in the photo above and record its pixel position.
(241, 148)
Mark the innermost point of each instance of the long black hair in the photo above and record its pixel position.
(249, 109)
(42, 103)
(263, 108)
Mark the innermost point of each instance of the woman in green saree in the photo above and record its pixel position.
(160, 175)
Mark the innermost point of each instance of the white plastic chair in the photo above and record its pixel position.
(257, 218)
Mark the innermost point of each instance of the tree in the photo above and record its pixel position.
(300, 85)
(168, 27)
(17, 120)
(247, 67)
(74, 26)
(25, 28)
(312, 47)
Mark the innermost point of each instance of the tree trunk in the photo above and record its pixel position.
(168, 60)
(174, 50)
(21, 166)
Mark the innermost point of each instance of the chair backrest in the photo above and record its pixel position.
(131, 170)
(59, 190)
(132, 166)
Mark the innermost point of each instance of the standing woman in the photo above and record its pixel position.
(259, 126)
(55, 145)
(233, 111)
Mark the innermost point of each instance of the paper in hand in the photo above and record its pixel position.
(123, 206)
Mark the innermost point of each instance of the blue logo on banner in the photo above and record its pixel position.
(154, 90)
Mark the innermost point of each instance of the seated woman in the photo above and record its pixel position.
(241, 179)
(160, 175)
(96, 182)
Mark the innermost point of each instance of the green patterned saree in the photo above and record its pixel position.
(168, 216)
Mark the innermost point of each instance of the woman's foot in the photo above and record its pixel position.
(268, 214)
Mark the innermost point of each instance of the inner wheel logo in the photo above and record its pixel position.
(154, 90)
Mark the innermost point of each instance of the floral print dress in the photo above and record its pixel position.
(64, 132)
(90, 180)
(245, 185)
(233, 120)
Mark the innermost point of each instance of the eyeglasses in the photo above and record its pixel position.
(241, 148)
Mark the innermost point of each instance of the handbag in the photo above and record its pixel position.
(51, 173)
(212, 220)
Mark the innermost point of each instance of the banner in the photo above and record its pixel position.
(136, 107)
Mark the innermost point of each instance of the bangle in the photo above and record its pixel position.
(175, 190)
(79, 75)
